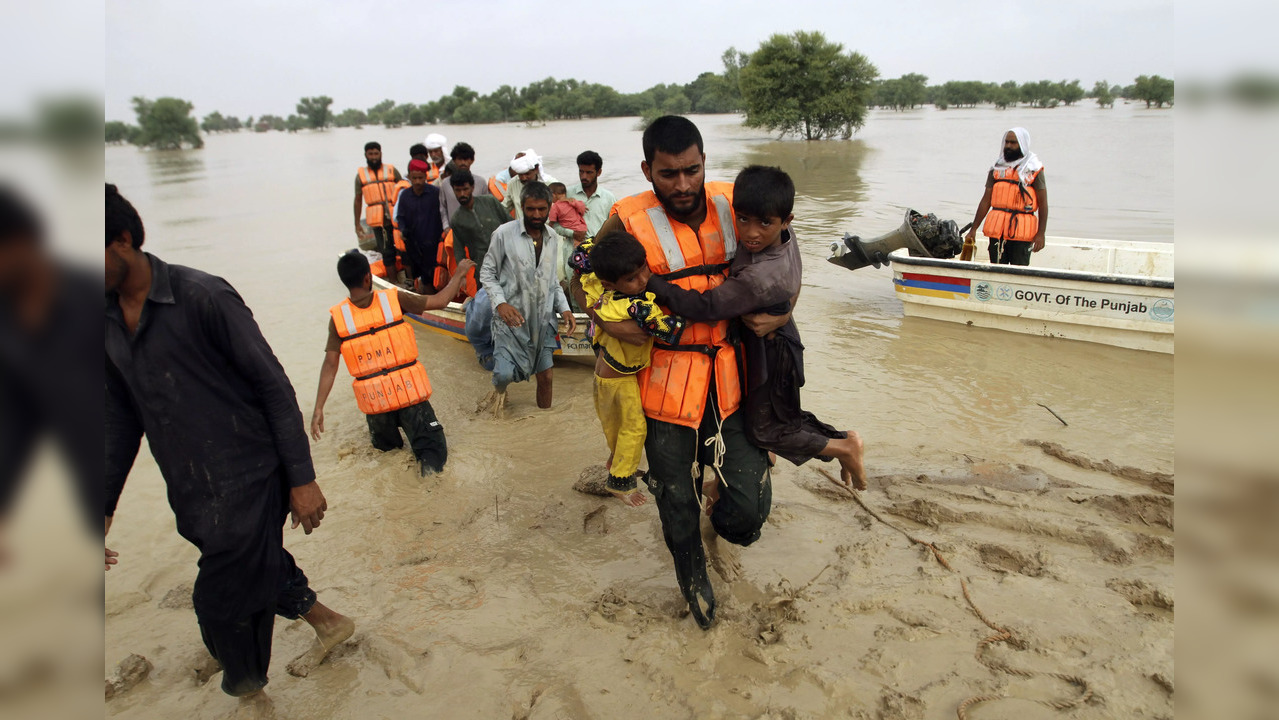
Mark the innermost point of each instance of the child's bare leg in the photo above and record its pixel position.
(848, 451)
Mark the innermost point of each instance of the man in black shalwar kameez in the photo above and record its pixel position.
(187, 366)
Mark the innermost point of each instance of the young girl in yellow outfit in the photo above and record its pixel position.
(615, 290)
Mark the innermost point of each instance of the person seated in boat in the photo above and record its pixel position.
(614, 276)
(1015, 203)
(763, 277)
(369, 332)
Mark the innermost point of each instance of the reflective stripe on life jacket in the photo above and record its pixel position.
(380, 351)
(380, 191)
(446, 265)
(674, 387)
(1013, 207)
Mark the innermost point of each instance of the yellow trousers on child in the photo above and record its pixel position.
(617, 402)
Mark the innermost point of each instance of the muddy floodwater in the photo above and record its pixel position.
(494, 590)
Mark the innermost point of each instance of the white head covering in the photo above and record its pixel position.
(435, 140)
(1026, 165)
(525, 163)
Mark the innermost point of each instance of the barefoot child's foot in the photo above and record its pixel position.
(625, 489)
(852, 470)
(634, 498)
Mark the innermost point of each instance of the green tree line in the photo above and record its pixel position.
(800, 84)
(913, 90)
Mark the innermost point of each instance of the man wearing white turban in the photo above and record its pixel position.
(1015, 204)
(525, 168)
(435, 143)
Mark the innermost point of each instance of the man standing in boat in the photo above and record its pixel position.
(376, 190)
(187, 366)
(435, 143)
(369, 332)
(598, 200)
(1015, 204)
(417, 213)
(463, 157)
(526, 167)
(691, 392)
(520, 274)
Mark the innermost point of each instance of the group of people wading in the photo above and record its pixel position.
(690, 287)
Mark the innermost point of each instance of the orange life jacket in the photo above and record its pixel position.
(446, 265)
(395, 223)
(380, 351)
(498, 189)
(380, 191)
(674, 387)
(1012, 207)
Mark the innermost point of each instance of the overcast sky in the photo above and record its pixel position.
(250, 57)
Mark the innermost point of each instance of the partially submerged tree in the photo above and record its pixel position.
(314, 111)
(805, 85)
(1153, 90)
(165, 124)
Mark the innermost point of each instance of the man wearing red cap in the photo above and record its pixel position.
(417, 212)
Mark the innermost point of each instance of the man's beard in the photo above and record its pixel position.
(532, 225)
(1011, 155)
(700, 201)
(375, 164)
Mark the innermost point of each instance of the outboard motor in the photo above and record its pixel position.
(923, 235)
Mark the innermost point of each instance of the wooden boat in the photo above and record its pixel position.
(451, 322)
(1103, 291)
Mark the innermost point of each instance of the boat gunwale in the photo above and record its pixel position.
(1032, 272)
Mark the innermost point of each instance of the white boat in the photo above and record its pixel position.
(451, 322)
(1103, 291)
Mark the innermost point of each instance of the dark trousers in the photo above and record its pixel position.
(1015, 252)
(385, 239)
(741, 509)
(243, 645)
(426, 435)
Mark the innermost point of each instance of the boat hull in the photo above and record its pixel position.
(1093, 304)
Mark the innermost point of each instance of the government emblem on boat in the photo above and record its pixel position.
(1004, 293)
(982, 291)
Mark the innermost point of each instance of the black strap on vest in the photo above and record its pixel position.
(707, 350)
(388, 371)
(371, 331)
(708, 270)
